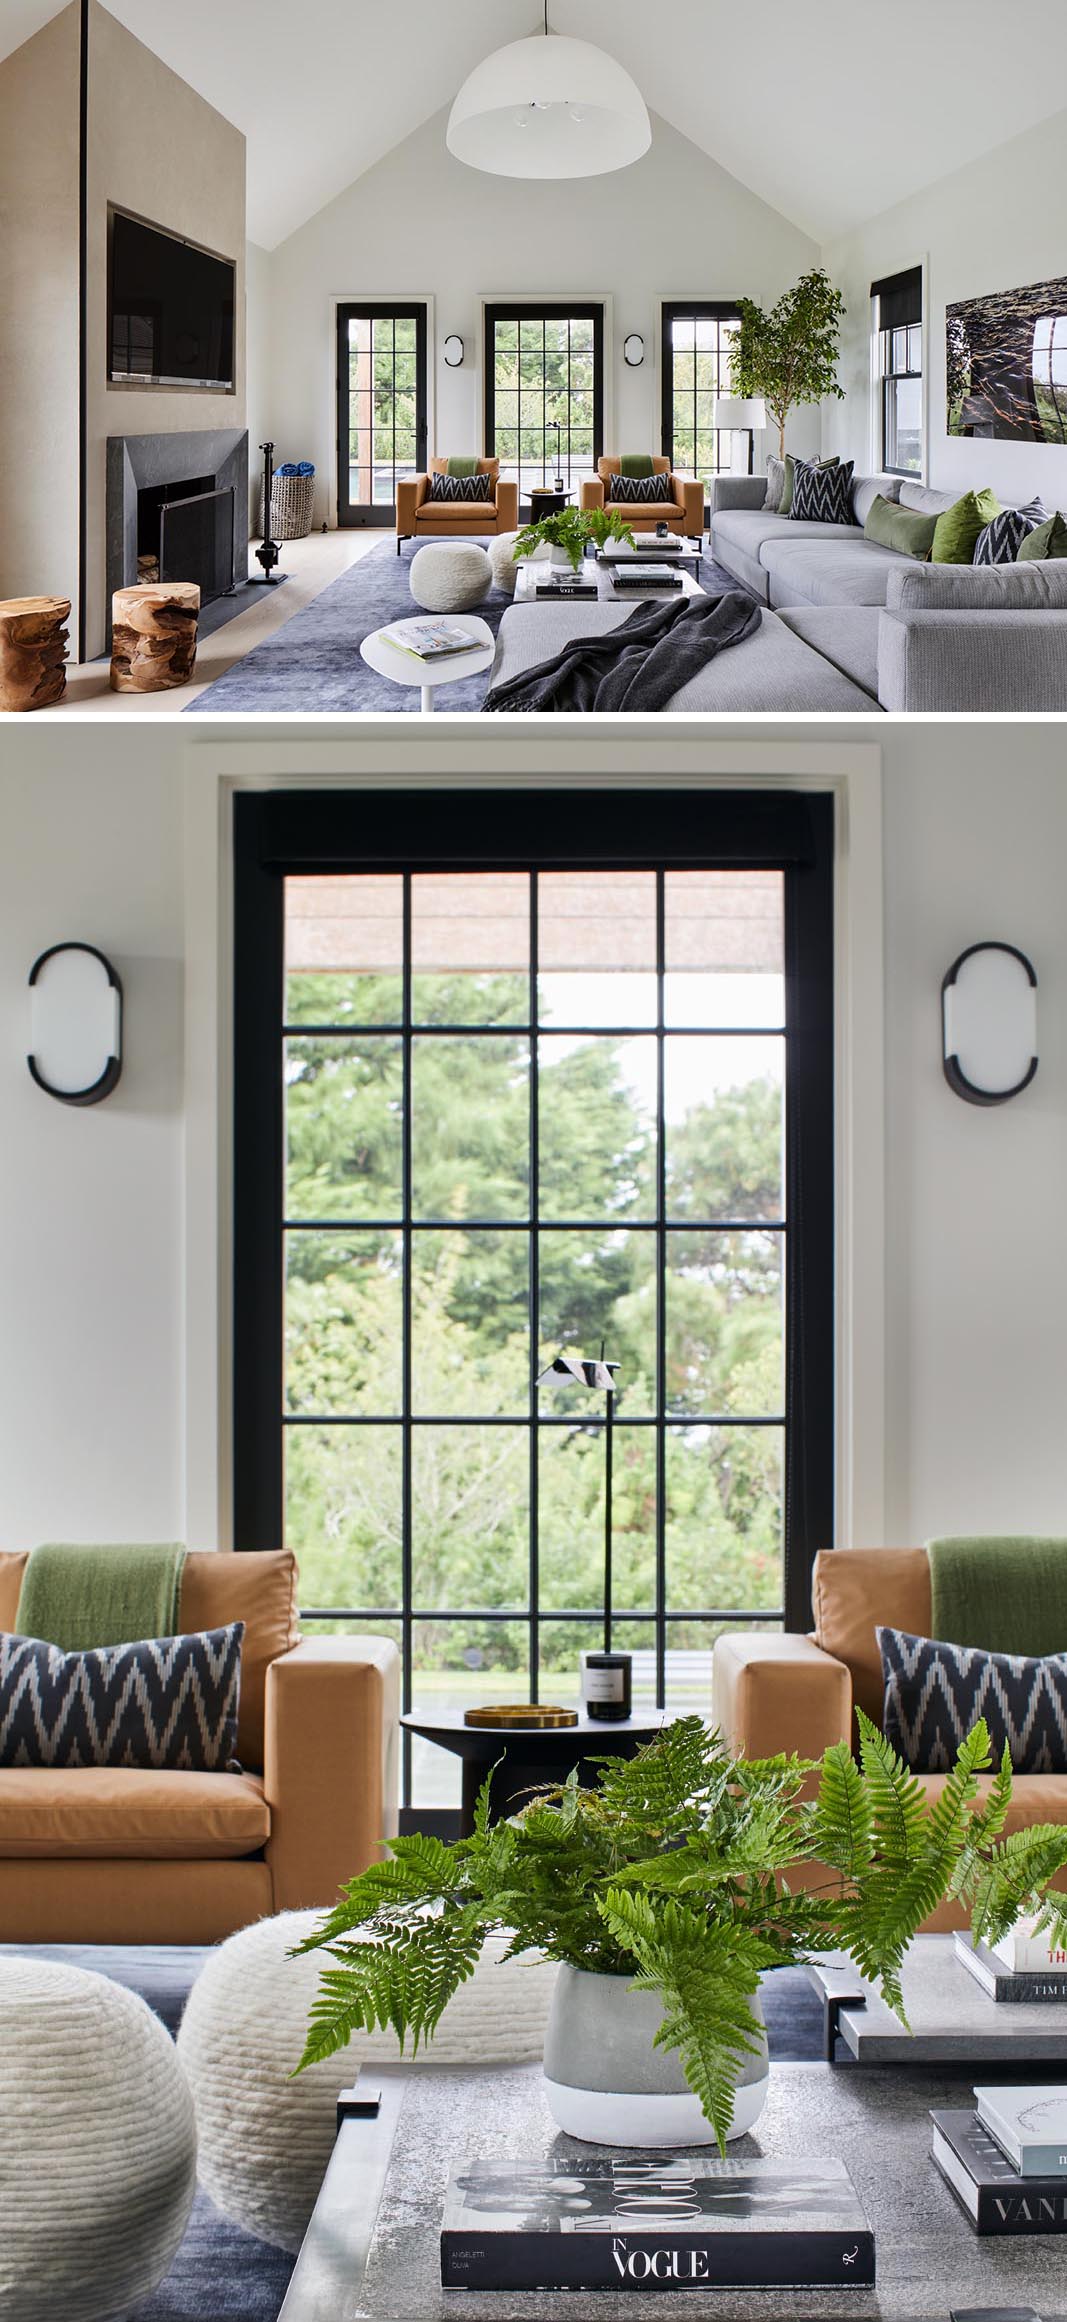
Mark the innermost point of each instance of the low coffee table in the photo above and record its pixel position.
(594, 569)
(531, 1754)
(372, 2249)
(953, 2021)
(649, 549)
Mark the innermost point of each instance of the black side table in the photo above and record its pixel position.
(545, 502)
(530, 1755)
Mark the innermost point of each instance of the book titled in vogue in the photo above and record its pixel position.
(1022, 1986)
(997, 2199)
(630, 2221)
(1029, 2125)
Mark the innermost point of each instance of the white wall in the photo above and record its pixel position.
(39, 287)
(674, 225)
(93, 1275)
(996, 225)
(259, 341)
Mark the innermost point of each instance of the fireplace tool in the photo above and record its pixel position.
(268, 552)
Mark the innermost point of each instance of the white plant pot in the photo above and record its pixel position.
(606, 2082)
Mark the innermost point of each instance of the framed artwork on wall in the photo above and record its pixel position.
(1006, 364)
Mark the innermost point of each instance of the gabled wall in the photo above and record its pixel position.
(156, 148)
(996, 225)
(674, 225)
(39, 87)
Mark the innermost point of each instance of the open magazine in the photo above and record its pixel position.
(432, 640)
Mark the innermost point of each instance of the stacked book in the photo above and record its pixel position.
(564, 584)
(653, 2221)
(1007, 2160)
(431, 641)
(642, 576)
(1022, 1967)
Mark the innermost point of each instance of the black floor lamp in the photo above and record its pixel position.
(607, 1677)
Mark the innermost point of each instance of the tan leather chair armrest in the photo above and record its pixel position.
(411, 491)
(507, 505)
(689, 493)
(772, 1693)
(331, 1765)
(592, 493)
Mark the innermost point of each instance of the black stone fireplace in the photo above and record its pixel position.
(177, 509)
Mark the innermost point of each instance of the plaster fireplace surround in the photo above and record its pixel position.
(188, 491)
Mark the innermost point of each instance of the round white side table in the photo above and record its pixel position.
(403, 668)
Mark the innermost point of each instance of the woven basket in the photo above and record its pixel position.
(292, 503)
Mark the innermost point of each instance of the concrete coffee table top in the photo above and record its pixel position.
(533, 569)
(952, 2020)
(372, 2251)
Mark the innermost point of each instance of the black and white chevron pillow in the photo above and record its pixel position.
(822, 495)
(934, 1692)
(168, 1703)
(1001, 540)
(462, 487)
(639, 488)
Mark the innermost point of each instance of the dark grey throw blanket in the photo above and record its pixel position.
(640, 665)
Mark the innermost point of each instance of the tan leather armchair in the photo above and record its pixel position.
(420, 518)
(684, 511)
(772, 1693)
(121, 1855)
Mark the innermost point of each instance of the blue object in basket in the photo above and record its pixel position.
(296, 468)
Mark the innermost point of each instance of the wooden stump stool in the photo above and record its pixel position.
(33, 652)
(153, 640)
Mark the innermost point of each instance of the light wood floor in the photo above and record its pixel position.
(311, 565)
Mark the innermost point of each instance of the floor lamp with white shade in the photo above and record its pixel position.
(740, 415)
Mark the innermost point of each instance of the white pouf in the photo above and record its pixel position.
(502, 563)
(265, 2139)
(98, 2165)
(449, 576)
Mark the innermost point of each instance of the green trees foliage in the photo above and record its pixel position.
(470, 1297)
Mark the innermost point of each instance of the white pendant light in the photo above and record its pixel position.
(549, 107)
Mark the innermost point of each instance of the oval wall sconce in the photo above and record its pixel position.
(76, 1024)
(453, 351)
(989, 1023)
(633, 350)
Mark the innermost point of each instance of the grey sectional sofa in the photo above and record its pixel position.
(846, 625)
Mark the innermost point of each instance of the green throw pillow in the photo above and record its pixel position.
(790, 463)
(905, 529)
(1047, 540)
(956, 531)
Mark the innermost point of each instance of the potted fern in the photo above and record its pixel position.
(663, 1894)
(567, 532)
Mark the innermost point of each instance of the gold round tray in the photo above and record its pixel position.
(530, 1713)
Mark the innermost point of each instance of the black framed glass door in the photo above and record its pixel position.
(544, 392)
(502, 1091)
(697, 349)
(382, 407)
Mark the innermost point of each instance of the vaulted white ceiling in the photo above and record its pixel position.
(830, 110)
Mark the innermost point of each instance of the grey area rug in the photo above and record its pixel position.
(312, 665)
(224, 2275)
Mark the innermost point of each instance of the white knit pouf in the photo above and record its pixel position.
(502, 563)
(265, 2139)
(98, 2152)
(449, 576)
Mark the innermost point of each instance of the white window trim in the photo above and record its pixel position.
(215, 770)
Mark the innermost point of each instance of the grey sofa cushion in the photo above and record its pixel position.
(928, 503)
(845, 635)
(771, 670)
(973, 588)
(867, 489)
(1001, 661)
(815, 573)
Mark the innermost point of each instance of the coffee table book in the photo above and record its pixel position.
(996, 2198)
(1030, 2126)
(1020, 1986)
(637, 2222)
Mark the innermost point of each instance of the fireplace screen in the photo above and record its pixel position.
(196, 541)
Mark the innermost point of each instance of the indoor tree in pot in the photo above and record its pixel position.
(789, 354)
(663, 1894)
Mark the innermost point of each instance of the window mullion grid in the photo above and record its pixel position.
(534, 1583)
(661, 1308)
(406, 1511)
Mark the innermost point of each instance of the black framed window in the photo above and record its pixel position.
(501, 1089)
(382, 428)
(897, 305)
(544, 392)
(696, 366)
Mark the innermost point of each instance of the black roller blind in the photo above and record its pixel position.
(900, 299)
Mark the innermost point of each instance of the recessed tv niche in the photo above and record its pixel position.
(170, 309)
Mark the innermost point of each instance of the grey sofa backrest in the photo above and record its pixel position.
(979, 588)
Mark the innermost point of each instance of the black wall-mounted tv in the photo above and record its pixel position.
(170, 309)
